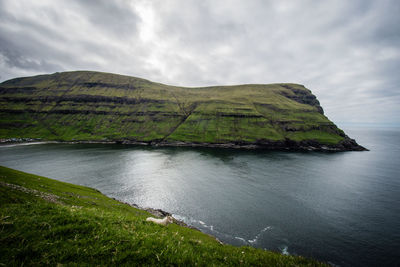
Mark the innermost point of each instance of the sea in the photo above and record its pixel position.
(342, 208)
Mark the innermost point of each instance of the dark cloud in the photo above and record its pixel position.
(347, 52)
(49, 36)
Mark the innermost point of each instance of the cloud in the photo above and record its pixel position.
(346, 52)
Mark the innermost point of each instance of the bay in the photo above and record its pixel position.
(342, 208)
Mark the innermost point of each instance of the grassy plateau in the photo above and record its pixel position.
(47, 222)
(95, 106)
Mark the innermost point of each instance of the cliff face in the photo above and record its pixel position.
(94, 106)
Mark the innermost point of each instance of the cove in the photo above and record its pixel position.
(341, 208)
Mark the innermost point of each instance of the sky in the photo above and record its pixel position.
(346, 52)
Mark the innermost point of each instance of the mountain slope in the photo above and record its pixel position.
(95, 106)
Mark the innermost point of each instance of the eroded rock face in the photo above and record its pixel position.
(303, 97)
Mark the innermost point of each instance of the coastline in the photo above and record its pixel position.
(347, 144)
(93, 219)
(162, 213)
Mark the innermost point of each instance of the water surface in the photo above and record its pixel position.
(342, 208)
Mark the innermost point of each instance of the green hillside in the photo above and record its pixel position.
(46, 222)
(95, 106)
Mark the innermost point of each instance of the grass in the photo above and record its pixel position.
(86, 105)
(47, 222)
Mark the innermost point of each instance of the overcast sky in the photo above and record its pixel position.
(346, 52)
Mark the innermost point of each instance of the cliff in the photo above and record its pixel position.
(104, 107)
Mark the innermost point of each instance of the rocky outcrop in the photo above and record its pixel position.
(302, 97)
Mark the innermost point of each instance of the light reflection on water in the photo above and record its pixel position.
(337, 207)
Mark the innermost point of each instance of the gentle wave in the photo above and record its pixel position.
(285, 251)
(192, 221)
(252, 241)
(26, 144)
(241, 239)
(202, 224)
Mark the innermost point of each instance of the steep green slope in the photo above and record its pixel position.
(46, 222)
(96, 106)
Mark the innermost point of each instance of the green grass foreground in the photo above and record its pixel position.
(47, 222)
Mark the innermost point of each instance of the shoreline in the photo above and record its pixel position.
(155, 212)
(162, 213)
(90, 219)
(347, 144)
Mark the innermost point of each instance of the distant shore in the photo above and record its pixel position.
(347, 144)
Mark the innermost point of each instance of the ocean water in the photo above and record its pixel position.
(342, 208)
